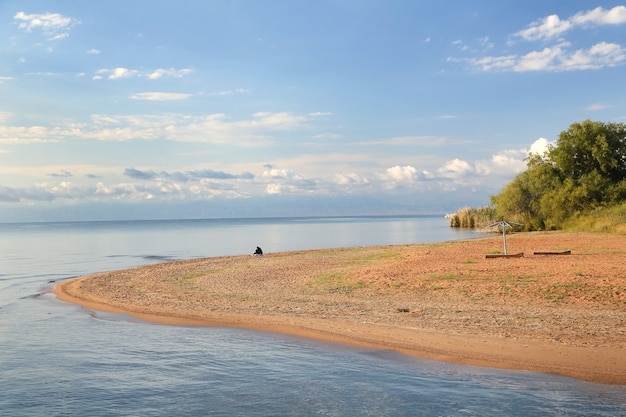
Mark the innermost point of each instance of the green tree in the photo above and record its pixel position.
(589, 147)
(523, 199)
(585, 170)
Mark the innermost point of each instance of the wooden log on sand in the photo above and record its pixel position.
(501, 255)
(562, 252)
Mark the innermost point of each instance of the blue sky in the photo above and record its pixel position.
(210, 108)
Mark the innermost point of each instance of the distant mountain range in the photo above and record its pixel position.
(269, 206)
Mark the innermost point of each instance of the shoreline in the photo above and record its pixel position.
(443, 301)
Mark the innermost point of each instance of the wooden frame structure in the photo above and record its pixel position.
(503, 224)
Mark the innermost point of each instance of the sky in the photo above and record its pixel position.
(195, 109)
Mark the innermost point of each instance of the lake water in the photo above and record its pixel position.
(57, 359)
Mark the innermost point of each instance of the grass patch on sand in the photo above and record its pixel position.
(436, 245)
(559, 292)
(378, 256)
(522, 280)
(193, 275)
(334, 282)
(446, 276)
(455, 276)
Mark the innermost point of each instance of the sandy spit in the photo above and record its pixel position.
(560, 314)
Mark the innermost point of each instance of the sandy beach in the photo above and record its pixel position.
(560, 314)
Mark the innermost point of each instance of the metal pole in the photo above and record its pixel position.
(504, 224)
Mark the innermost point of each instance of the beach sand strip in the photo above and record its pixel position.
(561, 314)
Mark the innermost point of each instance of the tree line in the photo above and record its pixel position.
(584, 171)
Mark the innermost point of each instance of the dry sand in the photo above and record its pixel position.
(561, 314)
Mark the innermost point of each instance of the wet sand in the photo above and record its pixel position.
(560, 314)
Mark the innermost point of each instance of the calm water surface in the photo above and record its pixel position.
(60, 360)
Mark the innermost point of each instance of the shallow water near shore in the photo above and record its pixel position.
(61, 360)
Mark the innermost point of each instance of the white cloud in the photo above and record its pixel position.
(277, 121)
(31, 134)
(5, 79)
(460, 44)
(209, 128)
(455, 168)
(121, 72)
(507, 162)
(115, 73)
(160, 96)
(552, 26)
(600, 16)
(545, 28)
(503, 164)
(53, 25)
(540, 146)
(489, 63)
(93, 51)
(276, 173)
(273, 188)
(286, 181)
(328, 136)
(485, 43)
(58, 36)
(513, 161)
(406, 141)
(171, 72)
(350, 179)
(554, 59)
(598, 106)
(560, 56)
(449, 175)
(405, 173)
(538, 60)
(477, 45)
(228, 92)
(315, 174)
(202, 183)
(598, 56)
